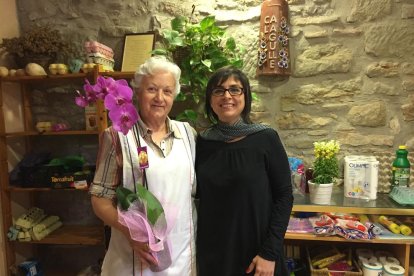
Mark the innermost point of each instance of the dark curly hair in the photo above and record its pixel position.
(217, 79)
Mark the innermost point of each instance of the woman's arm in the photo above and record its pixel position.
(106, 180)
(278, 172)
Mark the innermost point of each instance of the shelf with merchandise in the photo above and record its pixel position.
(78, 234)
(402, 247)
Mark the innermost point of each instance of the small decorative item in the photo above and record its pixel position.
(273, 52)
(88, 67)
(325, 170)
(58, 69)
(143, 157)
(34, 69)
(44, 126)
(60, 127)
(75, 65)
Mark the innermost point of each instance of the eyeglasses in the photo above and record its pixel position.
(233, 91)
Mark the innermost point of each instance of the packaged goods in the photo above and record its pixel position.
(361, 177)
(401, 168)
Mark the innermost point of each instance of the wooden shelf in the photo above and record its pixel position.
(29, 190)
(50, 133)
(88, 235)
(118, 75)
(383, 205)
(312, 237)
(48, 78)
(69, 76)
(75, 235)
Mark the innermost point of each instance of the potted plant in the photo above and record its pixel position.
(325, 171)
(198, 49)
(41, 44)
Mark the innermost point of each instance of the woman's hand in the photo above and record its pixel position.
(144, 253)
(262, 267)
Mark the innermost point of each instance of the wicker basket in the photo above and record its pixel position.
(326, 272)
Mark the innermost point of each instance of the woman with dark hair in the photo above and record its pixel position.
(244, 188)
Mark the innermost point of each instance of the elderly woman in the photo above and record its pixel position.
(169, 175)
(243, 180)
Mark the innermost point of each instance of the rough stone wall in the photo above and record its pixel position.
(352, 62)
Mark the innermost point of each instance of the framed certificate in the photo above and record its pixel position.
(137, 48)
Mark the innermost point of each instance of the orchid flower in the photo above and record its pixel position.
(124, 117)
(117, 96)
(88, 98)
(105, 86)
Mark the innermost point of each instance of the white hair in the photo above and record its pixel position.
(157, 64)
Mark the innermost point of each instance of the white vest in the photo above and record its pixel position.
(172, 181)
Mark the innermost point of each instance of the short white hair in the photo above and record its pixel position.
(157, 64)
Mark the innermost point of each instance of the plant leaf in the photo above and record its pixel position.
(207, 22)
(188, 115)
(180, 97)
(178, 23)
(154, 207)
(159, 52)
(125, 197)
(206, 62)
(231, 44)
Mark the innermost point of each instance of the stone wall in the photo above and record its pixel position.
(352, 61)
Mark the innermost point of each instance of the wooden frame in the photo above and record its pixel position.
(137, 48)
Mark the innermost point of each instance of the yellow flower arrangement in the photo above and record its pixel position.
(325, 168)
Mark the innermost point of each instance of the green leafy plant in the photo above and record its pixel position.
(198, 49)
(325, 167)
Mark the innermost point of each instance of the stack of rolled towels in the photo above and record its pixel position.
(33, 225)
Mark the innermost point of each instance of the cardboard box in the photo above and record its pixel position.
(91, 117)
(71, 180)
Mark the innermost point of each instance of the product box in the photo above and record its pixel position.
(91, 117)
(361, 176)
(75, 180)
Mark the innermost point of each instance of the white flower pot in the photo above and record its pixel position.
(320, 193)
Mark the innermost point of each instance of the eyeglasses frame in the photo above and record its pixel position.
(226, 90)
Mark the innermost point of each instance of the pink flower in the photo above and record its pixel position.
(105, 86)
(123, 117)
(117, 96)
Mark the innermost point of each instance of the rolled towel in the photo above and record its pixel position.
(33, 216)
(53, 224)
(41, 226)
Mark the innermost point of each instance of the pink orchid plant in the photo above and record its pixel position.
(117, 97)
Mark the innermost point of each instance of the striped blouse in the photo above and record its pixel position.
(108, 174)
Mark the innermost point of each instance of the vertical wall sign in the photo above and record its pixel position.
(273, 54)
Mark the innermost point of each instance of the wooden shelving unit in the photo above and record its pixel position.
(383, 205)
(75, 235)
(70, 234)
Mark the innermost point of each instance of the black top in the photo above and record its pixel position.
(245, 202)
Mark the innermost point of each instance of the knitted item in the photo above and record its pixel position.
(224, 132)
